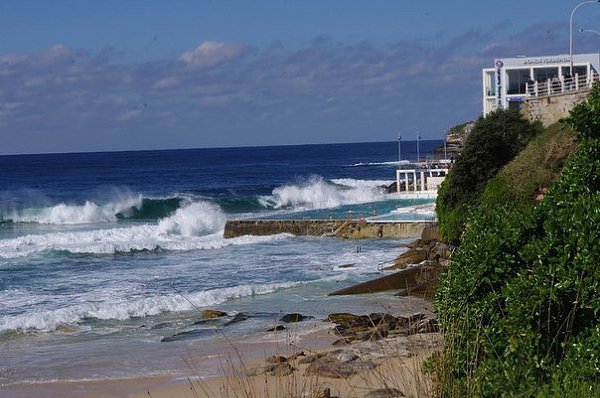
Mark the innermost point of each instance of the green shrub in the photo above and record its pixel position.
(519, 304)
(492, 143)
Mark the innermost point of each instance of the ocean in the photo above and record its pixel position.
(107, 259)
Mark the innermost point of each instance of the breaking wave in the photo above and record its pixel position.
(318, 193)
(194, 227)
(126, 208)
(125, 307)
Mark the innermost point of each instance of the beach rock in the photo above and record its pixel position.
(307, 359)
(406, 321)
(362, 327)
(385, 393)
(416, 244)
(237, 318)
(276, 328)
(345, 266)
(345, 318)
(282, 369)
(290, 318)
(329, 367)
(296, 355)
(392, 188)
(211, 314)
(259, 370)
(341, 342)
(428, 325)
(441, 251)
(276, 359)
(411, 256)
(346, 356)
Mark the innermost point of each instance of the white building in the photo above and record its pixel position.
(513, 79)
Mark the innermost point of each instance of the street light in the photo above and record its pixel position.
(419, 137)
(571, 31)
(399, 151)
(590, 31)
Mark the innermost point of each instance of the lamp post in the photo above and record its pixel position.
(590, 31)
(571, 31)
(418, 138)
(399, 151)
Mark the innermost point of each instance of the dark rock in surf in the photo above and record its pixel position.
(277, 328)
(237, 318)
(294, 317)
(212, 314)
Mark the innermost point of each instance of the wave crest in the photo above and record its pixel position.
(318, 193)
(64, 214)
(195, 219)
(197, 226)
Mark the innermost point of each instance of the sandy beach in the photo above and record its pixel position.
(277, 364)
(396, 371)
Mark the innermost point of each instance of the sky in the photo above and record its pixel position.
(111, 75)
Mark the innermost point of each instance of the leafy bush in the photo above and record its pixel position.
(519, 303)
(492, 143)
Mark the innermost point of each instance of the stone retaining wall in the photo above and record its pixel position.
(549, 109)
(346, 229)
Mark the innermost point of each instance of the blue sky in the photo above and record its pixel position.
(122, 75)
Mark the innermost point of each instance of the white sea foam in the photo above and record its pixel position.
(318, 193)
(195, 219)
(394, 163)
(198, 226)
(121, 308)
(90, 212)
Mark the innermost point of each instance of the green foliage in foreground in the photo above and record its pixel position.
(493, 142)
(519, 305)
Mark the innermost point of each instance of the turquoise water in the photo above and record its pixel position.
(381, 211)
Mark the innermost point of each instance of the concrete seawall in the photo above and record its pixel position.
(346, 229)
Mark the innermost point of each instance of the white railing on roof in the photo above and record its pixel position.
(561, 85)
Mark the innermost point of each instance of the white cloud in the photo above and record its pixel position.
(132, 114)
(167, 82)
(54, 54)
(211, 53)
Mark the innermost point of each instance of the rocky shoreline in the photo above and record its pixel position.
(374, 351)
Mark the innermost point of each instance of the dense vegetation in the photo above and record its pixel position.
(493, 142)
(519, 304)
(533, 170)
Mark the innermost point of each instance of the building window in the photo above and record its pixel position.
(577, 70)
(517, 80)
(544, 74)
(490, 84)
